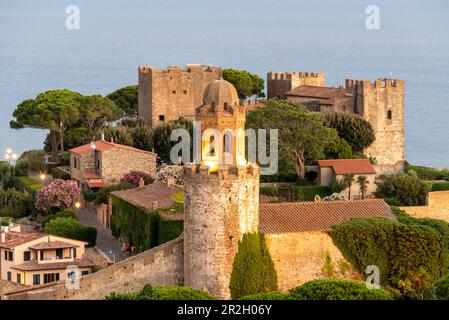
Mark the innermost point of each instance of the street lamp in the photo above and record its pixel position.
(42, 176)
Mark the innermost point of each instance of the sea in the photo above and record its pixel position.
(40, 49)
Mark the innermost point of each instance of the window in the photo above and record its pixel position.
(51, 277)
(185, 92)
(9, 275)
(26, 256)
(59, 253)
(84, 273)
(74, 162)
(74, 252)
(8, 256)
(42, 254)
(174, 91)
(19, 278)
(98, 164)
(212, 146)
(227, 142)
(161, 118)
(36, 279)
(389, 115)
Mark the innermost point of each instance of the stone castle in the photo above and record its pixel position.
(381, 103)
(166, 95)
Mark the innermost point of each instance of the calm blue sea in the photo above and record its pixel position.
(38, 53)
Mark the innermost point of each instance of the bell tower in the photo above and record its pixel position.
(221, 194)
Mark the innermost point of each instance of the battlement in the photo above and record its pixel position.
(293, 75)
(224, 172)
(189, 68)
(380, 83)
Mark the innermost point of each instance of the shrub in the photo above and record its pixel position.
(13, 203)
(103, 194)
(58, 173)
(6, 174)
(280, 177)
(410, 253)
(253, 270)
(67, 213)
(427, 173)
(304, 193)
(27, 185)
(90, 195)
(71, 228)
(162, 293)
(337, 186)
(58, 195)
(274, 295)
(335, 289)
(22, 168)
(440, 186)
(175, 172)
(441, 288)
(269, 191)
(134, 177)
(405, 190)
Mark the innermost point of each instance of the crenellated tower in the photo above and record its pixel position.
(221, 194)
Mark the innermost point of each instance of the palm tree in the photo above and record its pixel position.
(362, 181)
(348, 178)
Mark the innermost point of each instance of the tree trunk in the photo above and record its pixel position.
(54, 146)
(61, 139)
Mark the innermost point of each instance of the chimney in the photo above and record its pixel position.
(154, 205)
(102, 136)
(170, 182)
(3, 237)
(141, 182)
(112, 140)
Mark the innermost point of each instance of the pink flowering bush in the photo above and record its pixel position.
(58, 195)
(133, 177)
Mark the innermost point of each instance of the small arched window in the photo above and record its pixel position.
(389, 115)
(227, 142)
(212, 146)
(226, 106)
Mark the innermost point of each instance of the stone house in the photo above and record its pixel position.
(329, 170)
(30, 258)
(101, 163)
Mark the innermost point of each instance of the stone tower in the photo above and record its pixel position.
(279, 83)
(166, 95)
(221, 194)
(382, 104)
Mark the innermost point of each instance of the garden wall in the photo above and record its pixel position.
(437, 207)
(163, 265)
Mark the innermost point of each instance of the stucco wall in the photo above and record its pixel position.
(437, 207)
(162, 265)
(299, 257)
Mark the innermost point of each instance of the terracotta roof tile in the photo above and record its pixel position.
(14, 238)
(34, 266)
(145, 196)
(316, 92)
(292, 217)
(53, 245)
(103, 145)
(343, 166)
(97, 184)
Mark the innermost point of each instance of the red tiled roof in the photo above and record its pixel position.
(316, 92)
(34, 266)
(91, 174)
(103, 145)
(293, 217)
(343, 166)
(14, 238)
(53, 245)
(97, 184)
(144, 196)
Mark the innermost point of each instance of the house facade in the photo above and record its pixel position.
(30, 258)
(101, 163)
(330, 170)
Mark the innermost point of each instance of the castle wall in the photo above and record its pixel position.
(219, 208)
(299, 257)
(162, 265)
(376, 102)
(437, 207)
(278, 83)
(174, 92)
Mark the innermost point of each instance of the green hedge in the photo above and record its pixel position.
(67, 213)
(440, 186)
(271, 191)
(162, 293)
(274, 295)
(441, 288)
(27, 184)
(144, 229)
(305, 193)
(103, 194)
(71, 228)
(410, 253)
(58, 173)
(404, 190)
(337, 289)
